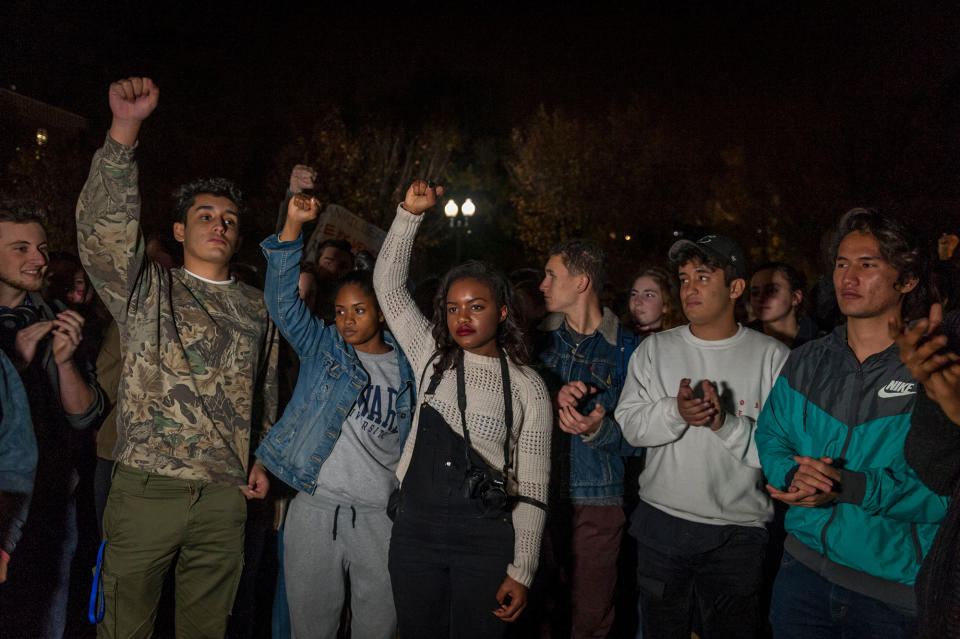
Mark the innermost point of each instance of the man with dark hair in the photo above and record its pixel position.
(334, 258)
(198, 382)
(186, 195)
(41, 339)
(585, 352)
(692, 396)
(831, 440)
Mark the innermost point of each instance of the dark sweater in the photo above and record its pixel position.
(932, 449)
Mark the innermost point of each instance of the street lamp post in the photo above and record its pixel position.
(459, 217)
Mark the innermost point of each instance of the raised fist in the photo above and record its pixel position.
(946, 245)
(420, 197)
(133, 99)
(302, 208)
(302, 178)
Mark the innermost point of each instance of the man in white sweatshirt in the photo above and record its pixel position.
(691, 397)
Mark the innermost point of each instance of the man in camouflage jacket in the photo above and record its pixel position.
(199, 376)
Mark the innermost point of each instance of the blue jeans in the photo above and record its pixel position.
(807, 606)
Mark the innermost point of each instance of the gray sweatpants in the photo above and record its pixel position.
(321, 546)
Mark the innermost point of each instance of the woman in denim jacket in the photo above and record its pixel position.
(338, 443)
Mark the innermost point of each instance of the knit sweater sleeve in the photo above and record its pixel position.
(532, 474)
(405, 320)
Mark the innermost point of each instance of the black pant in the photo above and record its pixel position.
(447, 561)
(682, 564)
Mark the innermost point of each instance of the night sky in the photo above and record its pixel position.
(847, 77)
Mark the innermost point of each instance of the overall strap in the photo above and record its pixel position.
(434, 380)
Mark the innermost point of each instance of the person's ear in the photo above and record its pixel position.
(583, 281)
(907, 286)
(503, 314)
(179, 228)
(797, 298)
(737, 287)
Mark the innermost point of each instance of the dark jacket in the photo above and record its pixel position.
(873, 537)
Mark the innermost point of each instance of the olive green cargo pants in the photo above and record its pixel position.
(153, 522)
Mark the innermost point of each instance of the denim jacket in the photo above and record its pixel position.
(589, 474)
(330, 382)
(18, 455)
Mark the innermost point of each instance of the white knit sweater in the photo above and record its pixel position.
(532, 412)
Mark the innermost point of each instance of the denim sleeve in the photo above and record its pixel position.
(18, 455)
(305, 333)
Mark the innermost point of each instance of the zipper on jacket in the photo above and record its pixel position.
(823, 531)
(917, 548)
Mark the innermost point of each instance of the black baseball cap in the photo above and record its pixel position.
(720, 247)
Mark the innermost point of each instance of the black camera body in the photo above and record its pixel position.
(488, 487)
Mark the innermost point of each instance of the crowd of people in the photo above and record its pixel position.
(477, 455)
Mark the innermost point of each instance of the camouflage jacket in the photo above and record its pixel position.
(199, 358)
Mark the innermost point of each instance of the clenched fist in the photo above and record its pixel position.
(302, 177)
(132, 100)
(421, 196)
(301, 209)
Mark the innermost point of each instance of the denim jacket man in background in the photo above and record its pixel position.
(585, 346)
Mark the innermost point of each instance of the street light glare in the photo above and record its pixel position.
(468, 208)
(450, 210)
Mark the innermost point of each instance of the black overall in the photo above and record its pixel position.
(447, 561)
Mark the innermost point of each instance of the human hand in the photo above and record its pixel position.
(27, 339)
(711, 396)
(67, 335)
(694, 410)
(303, 208)
(572, 393)
(795, 497)
(572, 421)
(133, 99)
(918, 345)
(818, 475)
(946, 245)
(257, 483)
(518, 600)
(420, 197)
(302, 178)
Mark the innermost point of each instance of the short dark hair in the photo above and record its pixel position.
(796, 280)
(690, 252)
(22, 212)
(343, 245)
(185, 196)
(584, 257)
(898, 246)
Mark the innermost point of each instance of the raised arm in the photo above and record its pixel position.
(406, 322)
(299, 327)
(109, 240)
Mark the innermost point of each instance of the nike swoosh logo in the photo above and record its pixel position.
(883, 392)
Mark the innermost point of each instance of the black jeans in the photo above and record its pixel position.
(447, 561)
(682, 564)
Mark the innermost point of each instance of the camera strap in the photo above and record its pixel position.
(507, 417)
